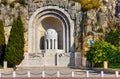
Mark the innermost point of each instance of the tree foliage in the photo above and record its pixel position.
(2, 41)
(116, 57)
(89, 4)
(15, 47)
(101, 51)
(113, 37)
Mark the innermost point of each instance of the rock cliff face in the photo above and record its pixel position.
(93, 23)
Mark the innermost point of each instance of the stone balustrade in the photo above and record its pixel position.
(43, 74)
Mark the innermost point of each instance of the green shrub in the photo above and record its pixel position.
(12, 4)
(89, 33)
(96, 4)
(89, 4)
(22, 2)
(5, 2)
(100, 30)
(116, 58)
(114, 65)
(113, 37)
(101, 51)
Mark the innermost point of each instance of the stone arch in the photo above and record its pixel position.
(58, 13)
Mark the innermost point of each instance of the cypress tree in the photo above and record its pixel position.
(2, 41)
(15, 47)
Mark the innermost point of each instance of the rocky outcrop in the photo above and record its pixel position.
(7, 14)
(94, 22)
(98, 22)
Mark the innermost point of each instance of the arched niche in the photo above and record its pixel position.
(51, 17)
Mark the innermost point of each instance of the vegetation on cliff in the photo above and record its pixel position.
(5, 2)
(22, 2)
(89, 4)
(12, 4)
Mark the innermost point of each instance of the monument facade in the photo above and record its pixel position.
(51, 33)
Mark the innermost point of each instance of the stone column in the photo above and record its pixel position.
(56, 45)
(45, 44)
(49, 43)
(52, 43)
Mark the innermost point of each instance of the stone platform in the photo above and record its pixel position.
(51, 60)
(46, 59)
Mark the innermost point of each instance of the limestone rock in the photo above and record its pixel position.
(17, 5)
(10, 1)
(94, 18)
(91, 14)
(103, 9)
(7, 33)
(26, 43)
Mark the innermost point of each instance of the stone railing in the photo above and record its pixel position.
(72, 74)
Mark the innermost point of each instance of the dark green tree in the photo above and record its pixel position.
(101, 51)
(113, 37)
(15, 47)
(2, 42)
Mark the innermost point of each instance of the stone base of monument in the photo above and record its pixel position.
(63, 59)
(47, 59)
